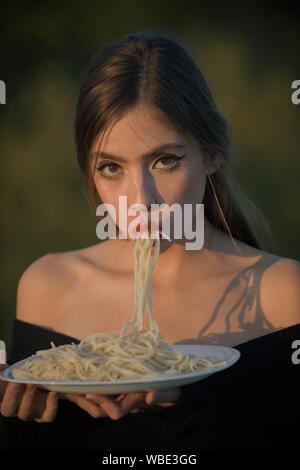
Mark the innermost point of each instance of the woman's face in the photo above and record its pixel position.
(174, 174)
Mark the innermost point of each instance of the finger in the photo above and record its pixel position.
(12, 399)
(2, 391)
(3, 383)
(133, 403)
(137, 410)
(51, 407)
(94, 409)
(26, 407)
(95, 396)
(166, 397)
(120, 397)
(33, 403)
(109, 405)
(117, 410)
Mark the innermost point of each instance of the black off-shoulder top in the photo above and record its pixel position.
(252, 405)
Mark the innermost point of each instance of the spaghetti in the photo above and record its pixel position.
(139, 354)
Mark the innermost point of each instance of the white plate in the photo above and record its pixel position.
(218, 353)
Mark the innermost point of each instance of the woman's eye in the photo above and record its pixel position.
(110, 170)
(167, 161)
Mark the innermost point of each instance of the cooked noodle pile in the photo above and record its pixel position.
(139, 354)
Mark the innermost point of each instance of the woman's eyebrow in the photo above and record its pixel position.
(144, 156)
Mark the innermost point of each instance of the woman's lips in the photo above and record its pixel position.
(148, 227)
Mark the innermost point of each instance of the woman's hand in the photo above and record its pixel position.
(27, 402)
(117, 406)
(30, 403)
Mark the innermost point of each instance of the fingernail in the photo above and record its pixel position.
(92, 397)
(151, 399)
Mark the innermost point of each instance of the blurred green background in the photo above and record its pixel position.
(248, 53)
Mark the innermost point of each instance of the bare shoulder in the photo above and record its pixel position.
(277, 283)
(45, 288)
(40, 284)
(280, 290)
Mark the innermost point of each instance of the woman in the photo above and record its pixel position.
(147, 128)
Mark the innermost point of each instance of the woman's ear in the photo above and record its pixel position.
(213, 163)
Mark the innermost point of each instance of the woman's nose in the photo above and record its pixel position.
(143, 191)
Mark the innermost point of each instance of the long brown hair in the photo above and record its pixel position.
(155, 68)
